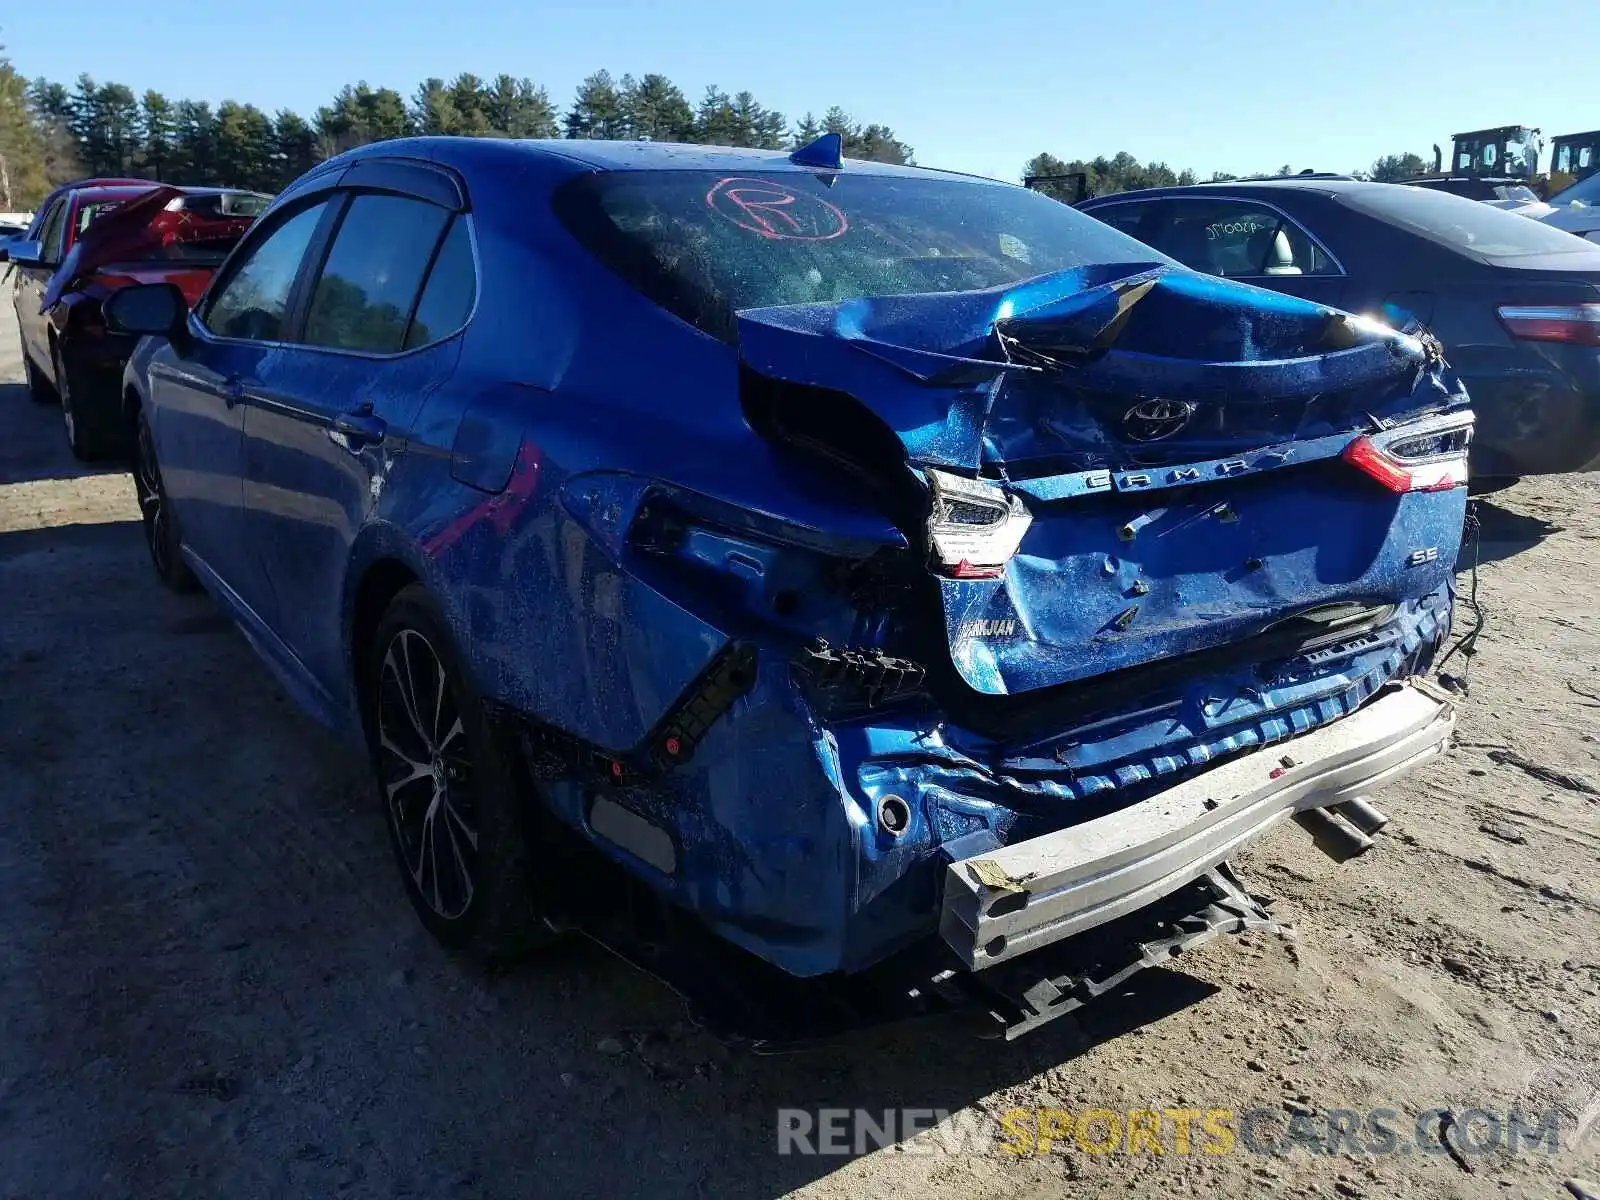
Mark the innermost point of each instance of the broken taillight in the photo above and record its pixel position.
(974, 527)
(1576, 324)
(1429, 455)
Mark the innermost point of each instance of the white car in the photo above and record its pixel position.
(1575, 209)
(9, 232)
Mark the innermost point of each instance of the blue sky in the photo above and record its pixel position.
(971, 86)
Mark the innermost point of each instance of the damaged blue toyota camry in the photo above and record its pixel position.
(846, 590)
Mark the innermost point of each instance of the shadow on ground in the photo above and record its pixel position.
(1503, 532)
(36, 443)
(665, 1080)
(108, 537)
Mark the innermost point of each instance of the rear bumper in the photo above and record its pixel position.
(1009, 901)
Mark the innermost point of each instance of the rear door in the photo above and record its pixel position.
(326, 421)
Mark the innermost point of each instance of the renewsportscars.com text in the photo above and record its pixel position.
(1175, 1131)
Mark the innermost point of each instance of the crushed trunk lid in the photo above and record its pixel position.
(1113, 465)
(153, 230)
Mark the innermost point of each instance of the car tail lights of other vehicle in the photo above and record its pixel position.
(1429, 455)
(973, 527)
(1577, 324)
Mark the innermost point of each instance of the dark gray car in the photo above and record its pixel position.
(1515, 303)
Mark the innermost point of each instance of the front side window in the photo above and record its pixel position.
(252, 302)
(369, 284)
(1238, 238)
(50, 236)
(705, 245)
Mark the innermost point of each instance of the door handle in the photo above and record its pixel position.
(232, 392)
(359, 428)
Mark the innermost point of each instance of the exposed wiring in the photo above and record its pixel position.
(1467, 643)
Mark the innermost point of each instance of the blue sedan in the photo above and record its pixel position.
(774, 544)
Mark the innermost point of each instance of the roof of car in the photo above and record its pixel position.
(1324, 184)
(638, 156)
(113, 191)
(101, 190)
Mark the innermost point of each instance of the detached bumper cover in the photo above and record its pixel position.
(1007, 902)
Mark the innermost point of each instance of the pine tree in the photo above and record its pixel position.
(759, 127)
(93, 128)
(596, 110)
(469, 102)
(296, 148)
(23, 180)
(433, 109)
(196, 143)
(715, 122)
(158, 129)
(806, 131)
(655, 109)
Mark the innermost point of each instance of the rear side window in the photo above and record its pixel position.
(1464, 225)
(1238, 238)
(1126, 217)
(447, 296)
(369, 283)
(251, 302)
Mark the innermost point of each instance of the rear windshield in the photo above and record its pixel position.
(227, 204)
(199, 228)
(705, 245)
(1465, 225)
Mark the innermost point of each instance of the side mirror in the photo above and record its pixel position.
(147, 308)
(25, 254)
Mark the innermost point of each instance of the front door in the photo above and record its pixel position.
(326, 421)
(31, 281)
(196, 387)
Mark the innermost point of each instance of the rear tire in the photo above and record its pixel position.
(161, 535)
(90, 436)
(456, 824)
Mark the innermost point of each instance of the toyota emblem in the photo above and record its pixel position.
(1153, 420)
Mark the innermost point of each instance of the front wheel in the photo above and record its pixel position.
(39, 389)
(455, 822)
(155, 510)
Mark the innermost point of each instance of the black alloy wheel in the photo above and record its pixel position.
(155, 512)
(458, 824)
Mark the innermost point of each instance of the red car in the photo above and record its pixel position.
(87, 240)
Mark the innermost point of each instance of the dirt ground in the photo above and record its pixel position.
(212, 984)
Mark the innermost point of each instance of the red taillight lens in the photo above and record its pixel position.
(1575, 324)
(1365, 456)
(1429, 455)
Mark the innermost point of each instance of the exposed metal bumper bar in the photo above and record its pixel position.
(1006, 902)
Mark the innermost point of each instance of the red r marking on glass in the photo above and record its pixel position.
(771, 210)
